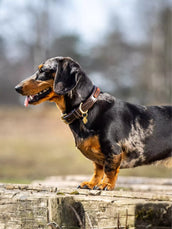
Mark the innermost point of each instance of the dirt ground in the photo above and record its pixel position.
(35, 143)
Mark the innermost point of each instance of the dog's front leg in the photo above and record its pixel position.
(96, 178)
(111, 169)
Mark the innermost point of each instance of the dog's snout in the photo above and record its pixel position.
(18, 88)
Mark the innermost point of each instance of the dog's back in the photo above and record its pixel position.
(149, 139)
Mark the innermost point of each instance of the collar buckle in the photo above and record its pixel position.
(79, 112)
(82, 112)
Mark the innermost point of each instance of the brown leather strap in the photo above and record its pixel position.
(83, 107)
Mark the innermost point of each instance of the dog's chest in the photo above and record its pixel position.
(90, 147)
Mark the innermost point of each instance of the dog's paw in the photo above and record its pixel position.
(86, 185)
(104, 186)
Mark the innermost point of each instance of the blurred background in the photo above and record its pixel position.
(125, 47)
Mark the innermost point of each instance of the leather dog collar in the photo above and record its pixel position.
(82, 110)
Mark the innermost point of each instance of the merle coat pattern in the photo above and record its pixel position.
(117, 134)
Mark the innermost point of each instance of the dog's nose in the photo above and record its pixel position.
(18, 88)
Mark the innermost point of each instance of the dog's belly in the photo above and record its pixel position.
(135, 158)
(90, 147)
(131, 163)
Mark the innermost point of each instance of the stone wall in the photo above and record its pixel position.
(52, 206)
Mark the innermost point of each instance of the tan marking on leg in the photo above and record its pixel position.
(96, 178)
(110, 178)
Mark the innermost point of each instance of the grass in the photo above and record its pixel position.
(35, 143)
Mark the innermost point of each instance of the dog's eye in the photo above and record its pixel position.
(45, 76)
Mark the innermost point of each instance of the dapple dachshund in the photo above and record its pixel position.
(112, 133)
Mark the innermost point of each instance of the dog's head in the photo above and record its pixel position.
(53, 79)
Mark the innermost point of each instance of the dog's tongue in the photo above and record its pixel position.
(26, 102)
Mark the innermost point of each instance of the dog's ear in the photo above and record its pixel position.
(67, 76)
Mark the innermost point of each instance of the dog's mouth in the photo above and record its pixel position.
(30, 99)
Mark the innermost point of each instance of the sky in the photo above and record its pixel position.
(91, 19)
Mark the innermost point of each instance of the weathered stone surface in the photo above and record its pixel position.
(31, 206)
(125, 183)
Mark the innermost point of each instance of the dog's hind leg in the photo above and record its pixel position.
(111, 169)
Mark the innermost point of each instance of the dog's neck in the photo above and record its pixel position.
(60, 102)
(79, 94)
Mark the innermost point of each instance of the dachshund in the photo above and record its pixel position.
(110, 132)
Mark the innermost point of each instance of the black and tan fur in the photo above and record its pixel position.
(117, 135)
